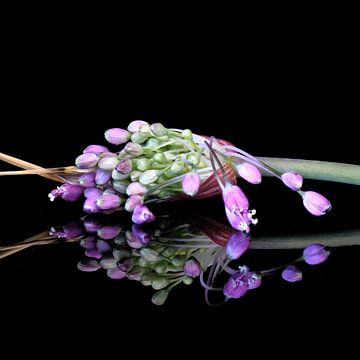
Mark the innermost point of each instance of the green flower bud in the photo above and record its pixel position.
(142, 262)
(193, 159)
(178, 261)
(163, 138)
(187, 134)
(121, 253)
(160, 297)
(150, 276)
(160, 158)
(188, 280)
(134, 175)
(158, 130)
(152, 143)
(108, 163)
(161, 267)
(177, 167)
(170, 156)
(148, 177)
(120, 239)
(168, 252)
(149, 254)
(146, 283)
(160, 284)
(143, 164)
(119, 176)
(138, 138)
(121, 186)
(145, 130)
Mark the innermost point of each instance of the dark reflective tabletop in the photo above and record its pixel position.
(53, 256)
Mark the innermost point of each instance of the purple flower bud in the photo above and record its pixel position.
(132, 202)
(108, 202)
(142, 215)
(315, 203)
(135, 125)
(117, 136)
(237, 286)
(109, 232)
(126, 264)
(88, 242)
(68, 231)
(88, 265)
(102, 177)
(237, 208)
(91, 224)
(93, 253)
(191, 183)
(108, 163)
(133, 241)
(116, 274)
(90, 206)
(109, 190)
(124, 166)
(237, 245)
(136, 188)
(87, 179)
(96, 149)
(142, 236)
(133, 149)
(108, 154)
(68, 192)
(87, 161)
(103, 246)
(249, 172)
(292, 180)
(92, 193)
(315, 254)
(292, 274)
(192, 268)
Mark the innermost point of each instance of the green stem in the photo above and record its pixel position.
(317, 170)
(282, 242)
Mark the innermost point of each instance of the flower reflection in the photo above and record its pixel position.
(172, 252)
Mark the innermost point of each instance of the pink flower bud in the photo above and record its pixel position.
(192, 268)
(133, 149)
(108, 202)
(315, 254)
(292, 180)
(95, 149)
(135, 125)
(292, 274)
(142, 215)
(237, 245)
(315, 203)
(90, 206)
(191, 183)
(136, 188)
(124, 166)
(87, 179)
(132, 202)
(249, 172)
(87, 161)
(117, 136)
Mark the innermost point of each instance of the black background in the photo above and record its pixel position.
(57, 117)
